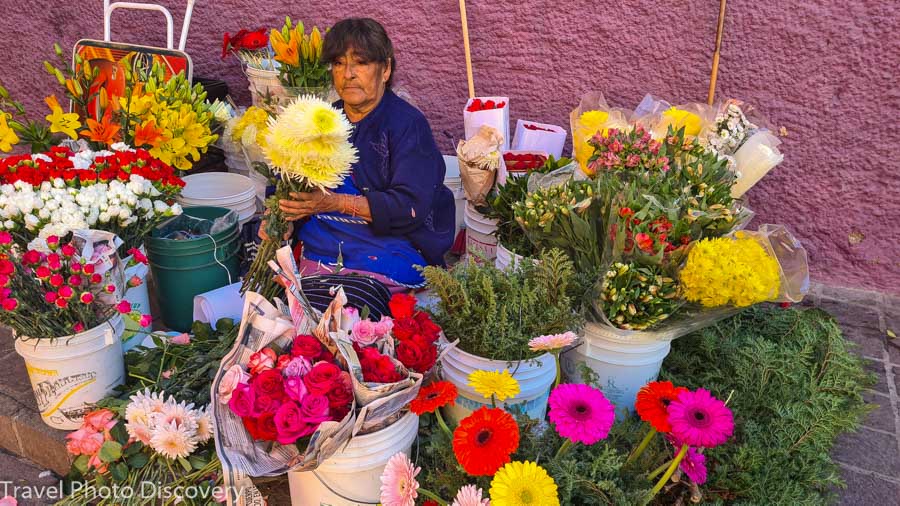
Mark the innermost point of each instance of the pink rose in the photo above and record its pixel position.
(320, 378)
(182, 339)
(349, 317)
(242, 400)
(295, 389)
(100, 420)
(290, 424)
(299, 366)
(91, 443)
(314, 409)
(124, 306)
(384, 326)
(233, 377)
(364, 333)
(75, 439)
(261, 360)
(9, 501)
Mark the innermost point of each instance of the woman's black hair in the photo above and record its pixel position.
(365, 36)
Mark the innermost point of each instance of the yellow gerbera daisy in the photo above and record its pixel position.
(523, 484)
(494, 383)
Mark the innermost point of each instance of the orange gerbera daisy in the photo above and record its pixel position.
(104, 131)
(484, 441)
(433, 396)
(652, 403)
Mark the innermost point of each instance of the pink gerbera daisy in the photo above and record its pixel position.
(470, 495)
(398, 482)
(699, 419)
(552, 342)
(581, 413)
(694, 466)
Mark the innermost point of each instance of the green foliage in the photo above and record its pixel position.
(794, 386)
(495, 313)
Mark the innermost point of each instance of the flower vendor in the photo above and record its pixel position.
(394, 212)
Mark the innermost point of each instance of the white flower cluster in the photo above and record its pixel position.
(731, 130)
(55, 209)
(172, 429)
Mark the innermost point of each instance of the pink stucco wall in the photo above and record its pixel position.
(826, 71)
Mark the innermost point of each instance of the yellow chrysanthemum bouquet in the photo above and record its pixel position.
(307, 148)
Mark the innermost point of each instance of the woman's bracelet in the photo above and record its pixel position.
(350, 207)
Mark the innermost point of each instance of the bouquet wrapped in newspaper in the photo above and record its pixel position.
(479, 161)
(284, 399)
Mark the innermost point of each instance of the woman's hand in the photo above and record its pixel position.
(308, 204)
(265, 237)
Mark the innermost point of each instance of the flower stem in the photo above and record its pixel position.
(641, 447)
(665, 477)
(563, 448)
(442, 423)
(432, 495)
(493, 401)
(658, 470)
(558, 370)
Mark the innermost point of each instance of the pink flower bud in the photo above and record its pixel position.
(10, 304)
(75, 267)
(53, 242)
(5, 237)
(124, 307)
(96, 279)
(78, 327)
(4, 280)
(86, 298)
(135, 281)
(68, 251)
(75, 280)
(43, 272)
(110, 289)
(66, 292)
(56, 280)
(88, 268)
(51, 297)
(62, 303)
(146, 320)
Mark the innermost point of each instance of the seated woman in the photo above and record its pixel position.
(393, 212)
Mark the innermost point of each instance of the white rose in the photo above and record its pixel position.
(9, 224)
(104, 217)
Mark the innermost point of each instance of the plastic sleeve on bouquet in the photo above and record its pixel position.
(541, 137)
(793, 262)
(593, 115)
(754, 159)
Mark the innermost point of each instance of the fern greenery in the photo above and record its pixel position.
(495, 313)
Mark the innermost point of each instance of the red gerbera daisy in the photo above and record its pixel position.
(434, 396)
(484, 441)
(652, 403)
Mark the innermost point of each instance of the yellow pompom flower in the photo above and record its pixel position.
(308, 143)
(677, 118)
(499, 384)
(589, 123)
(523, 484)
(736, 271)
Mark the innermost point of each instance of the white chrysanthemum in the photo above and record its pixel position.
(139, 432)
(172, 441)
(181, 414)
(308, 142)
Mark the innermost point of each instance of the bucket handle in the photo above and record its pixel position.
(216, 257)
(338, 494)
(109, 333)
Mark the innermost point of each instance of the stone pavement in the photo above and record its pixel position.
(869, 458)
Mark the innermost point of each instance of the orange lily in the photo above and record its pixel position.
(104, 131)
(146, 134)
(286, 51)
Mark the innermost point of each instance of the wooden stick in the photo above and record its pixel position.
(715, 65)
(465, 28)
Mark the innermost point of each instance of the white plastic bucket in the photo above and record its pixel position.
(70, 374)
(221, 189)
(480, 241)
(535, 379)
(262, 83)
(622, 367)
(506, 258)
(139, 298)
(454, 183)
(353, 476)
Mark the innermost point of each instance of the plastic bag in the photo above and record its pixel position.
(754, 159)
(558, 177)
(101, 248)
(593, 115)
(184, 227)
(658, 115)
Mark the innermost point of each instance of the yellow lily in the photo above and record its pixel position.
(315, 44)
(8, 137)
(61, 122)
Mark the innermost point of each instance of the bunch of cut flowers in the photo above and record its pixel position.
(75, 287)
(126, 192)
(148, 438)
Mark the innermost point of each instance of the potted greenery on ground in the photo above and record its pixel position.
(492, 315)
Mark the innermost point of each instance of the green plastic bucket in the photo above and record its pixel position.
(186, 268)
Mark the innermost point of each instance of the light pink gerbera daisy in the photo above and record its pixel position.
(470, 495)
(699, 419)
(552, 342)
(398, 482)
(581, 413)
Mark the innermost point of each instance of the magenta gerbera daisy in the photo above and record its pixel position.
(699, 419)
(694, 466)
(581, 413)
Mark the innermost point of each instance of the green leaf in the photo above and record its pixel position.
(133, 448)
(119, 433)
(81, 464)
(110, 452)
(119, 472)
(184, 463)
(198, 462)
(138, 460)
